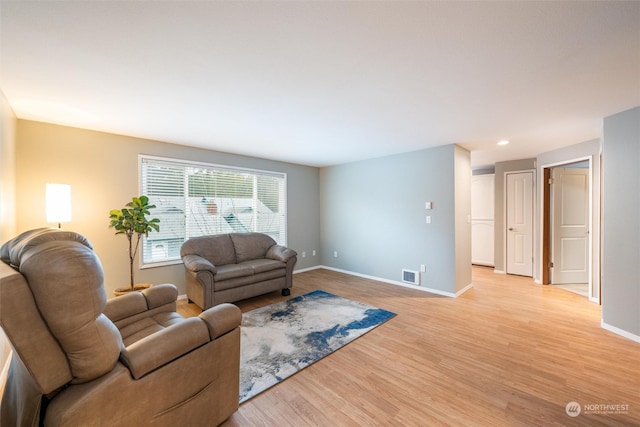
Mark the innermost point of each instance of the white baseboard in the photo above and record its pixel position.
(397, 283)
(499, 271)
(307, 269)
(620, 332)
(380, 279)
(465, 289)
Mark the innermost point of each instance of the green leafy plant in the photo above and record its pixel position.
(132, 221)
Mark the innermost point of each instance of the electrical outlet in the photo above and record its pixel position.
(428, 219)
(335, 254)
(304, 254)
(423, 268)
(313, 253)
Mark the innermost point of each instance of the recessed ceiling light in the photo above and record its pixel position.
(503, 142)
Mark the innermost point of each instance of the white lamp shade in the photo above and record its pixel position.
(58, 203)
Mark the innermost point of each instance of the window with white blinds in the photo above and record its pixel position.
(196, 199)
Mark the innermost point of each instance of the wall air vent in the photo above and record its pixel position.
(410, 276)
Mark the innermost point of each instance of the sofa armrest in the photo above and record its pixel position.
(280, 253)
(196, 263)
(158, 349)
(221, 319)
(138, 302)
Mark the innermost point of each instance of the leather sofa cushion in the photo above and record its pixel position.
(250, 246)
(216, 249)
(247, 268)
(262, 265)
(231, 271)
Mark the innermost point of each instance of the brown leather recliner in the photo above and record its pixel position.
(80, 360)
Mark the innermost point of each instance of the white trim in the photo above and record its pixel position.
(620, 332)
(173, 160)
(405, 285)
(307, 269)
(379, 279)
(499, 271)
(465, 289)
(594, 256)
(160, 263)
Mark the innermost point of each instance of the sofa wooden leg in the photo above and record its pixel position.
(286, 292)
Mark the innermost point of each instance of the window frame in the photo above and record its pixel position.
(175, 162)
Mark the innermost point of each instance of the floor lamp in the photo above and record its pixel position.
(58, 203)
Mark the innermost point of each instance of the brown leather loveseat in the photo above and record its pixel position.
(80, 360)
(231, 267)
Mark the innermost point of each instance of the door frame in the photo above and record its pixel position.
(533, 212)
(545, 215)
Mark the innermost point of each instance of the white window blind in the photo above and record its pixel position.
(196, 199)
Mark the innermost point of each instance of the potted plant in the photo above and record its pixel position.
(132, 221)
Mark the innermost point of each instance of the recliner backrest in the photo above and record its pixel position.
(51, 308)
(29, 335)
(12, 251)
(66, 279)
(5, 249)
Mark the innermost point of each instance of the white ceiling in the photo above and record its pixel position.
(324, 83)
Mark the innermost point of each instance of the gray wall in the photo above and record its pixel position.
(500, 169)
(590, 149)
(102, 169)
(621, 222)
(373, 216)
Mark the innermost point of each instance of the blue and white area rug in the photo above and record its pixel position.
(281, 339)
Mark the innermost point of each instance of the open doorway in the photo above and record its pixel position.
(567, 223)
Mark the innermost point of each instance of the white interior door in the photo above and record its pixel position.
(519, 222)
(482, 238)
(570, 226)
(482, 219)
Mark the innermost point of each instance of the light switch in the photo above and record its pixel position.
(427, 205)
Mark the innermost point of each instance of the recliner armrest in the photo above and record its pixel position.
(158, 349)
(138, 302)
(280, 253)
(221, 319)
(197, 263)
(159, 295)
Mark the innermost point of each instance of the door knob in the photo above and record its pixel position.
(510, 228)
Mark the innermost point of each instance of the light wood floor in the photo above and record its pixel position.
(508, 352)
